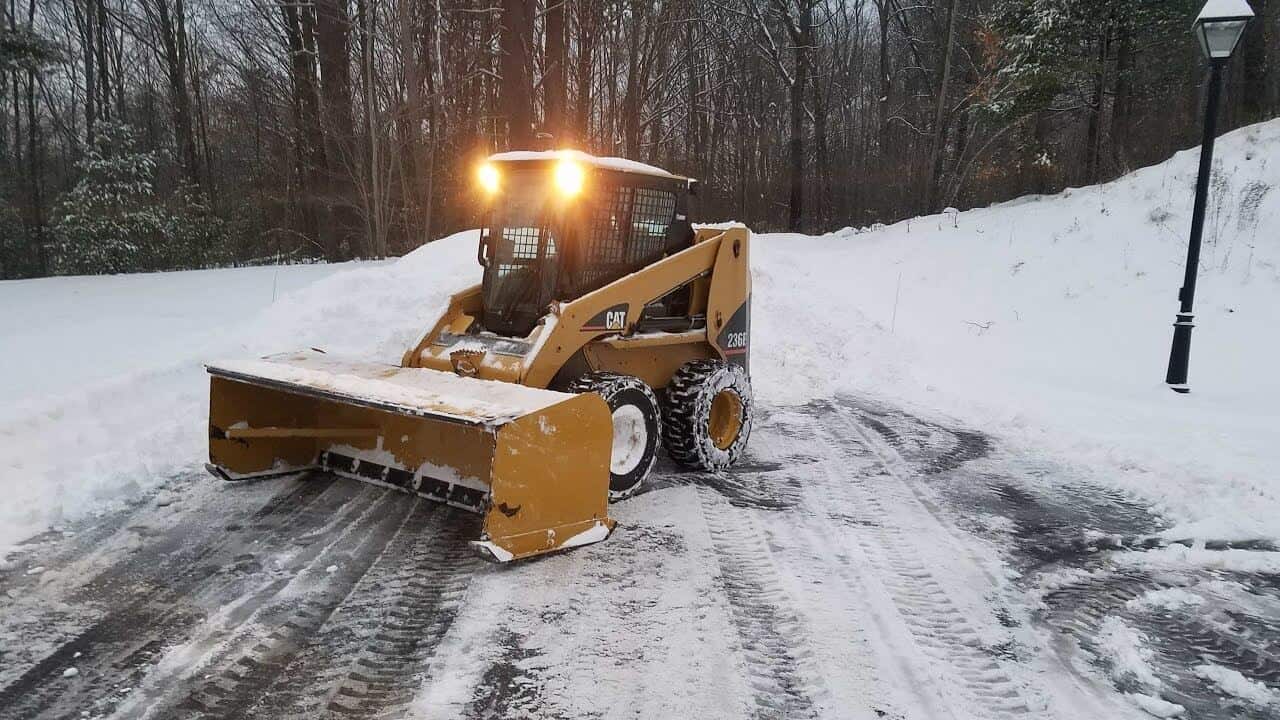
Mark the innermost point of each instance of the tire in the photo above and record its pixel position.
(637, 427)
(707, 414)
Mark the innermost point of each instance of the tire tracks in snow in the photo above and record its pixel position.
(777, 663)
(1080, 548)
(1208, 626)
(147, 611)
(238, 670)
(889, 525)
(638, 626)
(377, 649)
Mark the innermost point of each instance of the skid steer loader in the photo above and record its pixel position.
(605, 325)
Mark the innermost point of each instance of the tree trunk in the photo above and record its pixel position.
(435, 119)
(555, 81)
(1093, 135)
(86, 21)
(1251, 99)
(517, 77)
(312, 163)
(885, 81)
(696, 150)
(1122, 104)
(795, 144)
(103, 26)
(1270, 21)
(35, 178)
(172, 29)
(202, 129)
(586, 14)
(937, 149)
(375, 201)
(823, 155)
(16, 95)
(631, 96)
(411, 122)
(333, 46)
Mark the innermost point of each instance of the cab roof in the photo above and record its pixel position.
(604, 163)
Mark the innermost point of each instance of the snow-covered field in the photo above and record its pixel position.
(1041, 325)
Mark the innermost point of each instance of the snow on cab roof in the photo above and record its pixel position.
(604, 163)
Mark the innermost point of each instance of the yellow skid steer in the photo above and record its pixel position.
(605, 326)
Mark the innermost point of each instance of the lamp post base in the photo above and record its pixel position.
(1180, 354)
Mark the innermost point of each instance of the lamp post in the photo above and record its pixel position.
(1218, 28)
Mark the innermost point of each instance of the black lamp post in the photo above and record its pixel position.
(1218, 28)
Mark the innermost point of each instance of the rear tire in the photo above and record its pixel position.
(707, 414)
(637, 427)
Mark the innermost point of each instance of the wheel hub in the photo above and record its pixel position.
(630, 438)
(726, 418)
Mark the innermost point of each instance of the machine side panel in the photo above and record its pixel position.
(729, 300)
(651, 362)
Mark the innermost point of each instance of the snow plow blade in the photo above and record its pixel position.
(534, 463)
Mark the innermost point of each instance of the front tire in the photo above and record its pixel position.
(707, 418)
(637, 427)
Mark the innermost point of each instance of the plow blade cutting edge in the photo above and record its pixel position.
(534, 463)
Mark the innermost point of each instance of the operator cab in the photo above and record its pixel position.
(558, 225)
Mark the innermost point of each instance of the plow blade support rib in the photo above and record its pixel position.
(534, 463)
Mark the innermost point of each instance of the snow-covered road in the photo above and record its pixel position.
(861, 562)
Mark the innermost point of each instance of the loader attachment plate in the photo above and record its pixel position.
(534, 463)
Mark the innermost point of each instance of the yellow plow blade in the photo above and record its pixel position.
(534, 463)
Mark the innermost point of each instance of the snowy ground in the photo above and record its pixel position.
(970, 494)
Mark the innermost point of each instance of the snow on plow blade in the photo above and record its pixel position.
(534, 463)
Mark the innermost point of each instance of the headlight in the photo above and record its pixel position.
(489, 178)
(569, 178)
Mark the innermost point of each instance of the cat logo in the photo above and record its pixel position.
(613, 318)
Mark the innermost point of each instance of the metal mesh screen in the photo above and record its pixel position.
(628, 231)
(605, 252)
(650, 218)
(609, 227)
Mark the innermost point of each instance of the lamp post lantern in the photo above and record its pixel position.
(1218, 29)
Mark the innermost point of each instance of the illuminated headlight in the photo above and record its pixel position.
(489, 178)
(569, 178)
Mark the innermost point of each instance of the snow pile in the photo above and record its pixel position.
(489, 401)
(1157, 707)
(1126, 655)
(1174, 598)
(1233, 683)
(1127, 659)
(108, 395)
(63, 334)
(1179, 556)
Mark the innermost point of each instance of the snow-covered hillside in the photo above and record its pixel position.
(1048, 320)
(1045, 321)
